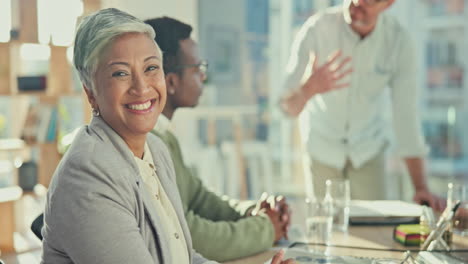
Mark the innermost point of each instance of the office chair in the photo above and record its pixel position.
(36, 226)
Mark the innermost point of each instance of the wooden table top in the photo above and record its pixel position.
(360, 236)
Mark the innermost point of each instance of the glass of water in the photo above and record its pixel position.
(319, 221)
(341, 194)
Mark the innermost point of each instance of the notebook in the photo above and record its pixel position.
(383, 212)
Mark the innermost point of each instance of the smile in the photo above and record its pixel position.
(141, 106)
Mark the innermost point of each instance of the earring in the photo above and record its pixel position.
(96, 112)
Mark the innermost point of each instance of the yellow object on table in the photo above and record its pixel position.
(411, 235)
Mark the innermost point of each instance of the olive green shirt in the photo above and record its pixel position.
(218, 227)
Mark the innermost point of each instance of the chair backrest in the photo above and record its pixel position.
(36, 226)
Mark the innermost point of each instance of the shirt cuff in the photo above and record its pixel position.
(419, 151)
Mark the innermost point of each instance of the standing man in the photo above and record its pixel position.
(344, 99)
(221, 229)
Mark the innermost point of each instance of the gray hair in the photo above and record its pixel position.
(96, 32)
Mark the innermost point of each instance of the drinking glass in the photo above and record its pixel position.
(319, 221)
(341, 195)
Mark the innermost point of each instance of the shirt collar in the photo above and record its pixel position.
(356, 36)
(147, 158)
(163, 124)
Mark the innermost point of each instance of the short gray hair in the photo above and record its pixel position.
(96, 32)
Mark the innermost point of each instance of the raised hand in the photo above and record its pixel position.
(326, 77)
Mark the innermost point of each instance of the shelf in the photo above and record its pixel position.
(444, 22)
(9, 194)
(435, 114)
(12, 154)
(16, 205)
(443, 94)
(9, 54)
(448, 167)
(443, 39)
(17, 210)
(32, 93)
(11, 144)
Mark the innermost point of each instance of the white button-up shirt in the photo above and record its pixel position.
(170, 221)
(351, 123)
(162, 126)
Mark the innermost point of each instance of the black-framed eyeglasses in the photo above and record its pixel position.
(202, 66)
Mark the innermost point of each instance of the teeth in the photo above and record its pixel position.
(140, 106)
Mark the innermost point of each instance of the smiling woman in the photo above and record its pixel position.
(113, 197)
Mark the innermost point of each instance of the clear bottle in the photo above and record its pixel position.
(319, 220)
(424, 228)
(327, 201)
(328, 210)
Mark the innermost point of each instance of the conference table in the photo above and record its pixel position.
(359, 236)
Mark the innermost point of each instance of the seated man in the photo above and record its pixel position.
(221, 230)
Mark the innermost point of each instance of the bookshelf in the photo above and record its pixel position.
(38, 87)
(441, 30)
(53, 66)
(444, 22)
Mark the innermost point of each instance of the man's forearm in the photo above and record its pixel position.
(415, 167)
(422, 194)
(294, 102)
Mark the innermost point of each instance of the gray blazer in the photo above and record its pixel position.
(98, 210)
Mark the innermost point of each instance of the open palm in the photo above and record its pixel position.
(327, 77)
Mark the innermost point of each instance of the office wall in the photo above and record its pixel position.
(223, 43)
(402, 11)
(184, 10)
